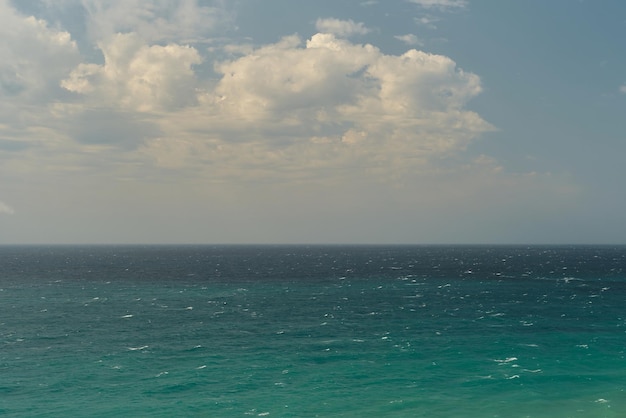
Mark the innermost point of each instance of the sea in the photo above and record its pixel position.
(313, 331)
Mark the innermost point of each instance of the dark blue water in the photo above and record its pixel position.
(313, 331)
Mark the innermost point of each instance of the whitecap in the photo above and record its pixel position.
(570, 279)
(126, 316)
(507, 360)
(143, 347)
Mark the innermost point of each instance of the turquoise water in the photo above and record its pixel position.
(313, 331)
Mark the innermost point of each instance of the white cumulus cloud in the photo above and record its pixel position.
(33, 56)
(138, 76)
(295, 108)
(312, 108)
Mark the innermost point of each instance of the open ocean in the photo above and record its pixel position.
(305, 331)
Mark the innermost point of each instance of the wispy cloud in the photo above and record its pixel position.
(4, 208)
(441, 4)
(170, 20)
(410, 39)
(622, 89)
(426, 21)
(341, 27)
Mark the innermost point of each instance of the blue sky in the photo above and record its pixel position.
(274, 121)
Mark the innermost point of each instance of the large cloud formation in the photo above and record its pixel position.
(145, 100)
(136, 76)
(310, 107)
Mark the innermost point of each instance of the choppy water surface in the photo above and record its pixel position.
(313, 331)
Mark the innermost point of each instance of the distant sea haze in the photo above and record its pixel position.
(397, 331)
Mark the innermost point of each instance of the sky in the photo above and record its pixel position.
(304, 122)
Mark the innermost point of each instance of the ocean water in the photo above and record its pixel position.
(328, 331)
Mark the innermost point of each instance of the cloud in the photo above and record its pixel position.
(33, 56)
(322, 108)
(440, 4)
(622, 89)
(141, 129)
(409, 39)
(341, 27)
(426, 21)
(286, 111)
(159, 20)
(138, 76)
(6, 209)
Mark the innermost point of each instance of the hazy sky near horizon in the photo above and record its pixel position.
(276, 121)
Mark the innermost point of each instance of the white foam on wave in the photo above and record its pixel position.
(507, 360)
(126, 316)
(143, 347)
